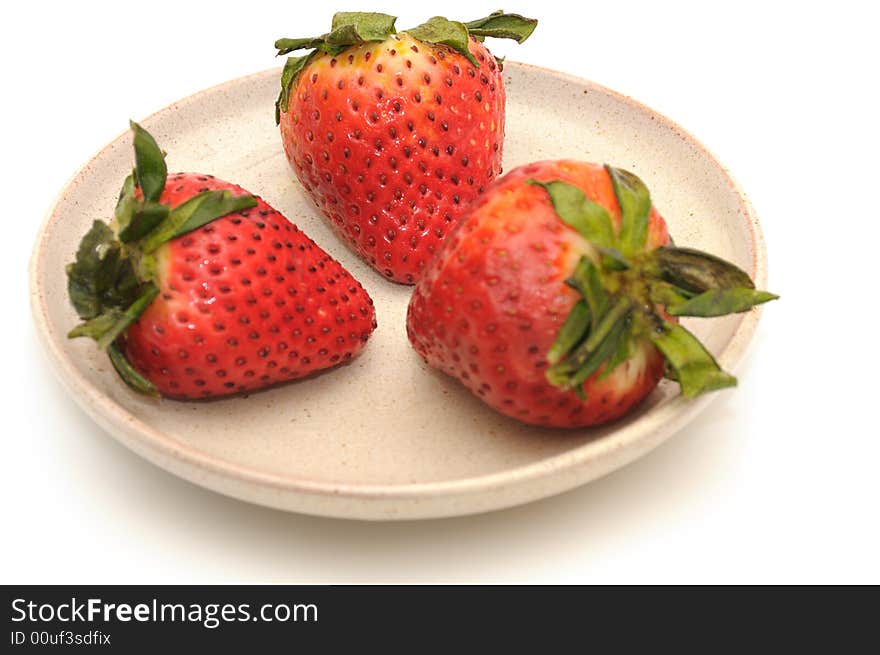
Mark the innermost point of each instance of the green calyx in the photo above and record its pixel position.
(623, 287)
(352, 28)
(113, 277)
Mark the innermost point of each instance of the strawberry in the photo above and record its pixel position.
(555, 298)
(200, 289)
(393, 134)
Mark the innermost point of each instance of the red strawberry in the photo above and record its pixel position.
(202, 290)
(393, 134)
(553, 299)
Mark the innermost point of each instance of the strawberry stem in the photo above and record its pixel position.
(111, 282)
(622, 294)
(353, 28)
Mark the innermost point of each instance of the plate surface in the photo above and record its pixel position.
(385, 437)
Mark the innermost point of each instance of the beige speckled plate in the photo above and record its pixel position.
(385, 437)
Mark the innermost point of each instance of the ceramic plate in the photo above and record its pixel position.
(385, 437)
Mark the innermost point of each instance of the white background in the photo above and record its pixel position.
(776, 482)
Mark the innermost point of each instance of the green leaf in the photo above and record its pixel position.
(144, 220)
(694, 367)
(92, 278)
(589, 218)
(446, 32)
(286, 46)
(667, 295)
(503, 26)
(696, 271)
(561, 374)
(126, 203)
(128, 373)
(125, 284)
(135, 218)
(194, 213)
(209, 206)
(292, 69)
(607, 351)
(348, 28)
(129, 316)
(150, 168)
(96, 327)
(84, 273)
(586, 279)
(572, 331)
(353, 27)
(719, 302)
(635, 206)
(619, 357)
(107, 327)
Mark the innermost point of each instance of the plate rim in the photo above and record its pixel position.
(583, 463)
